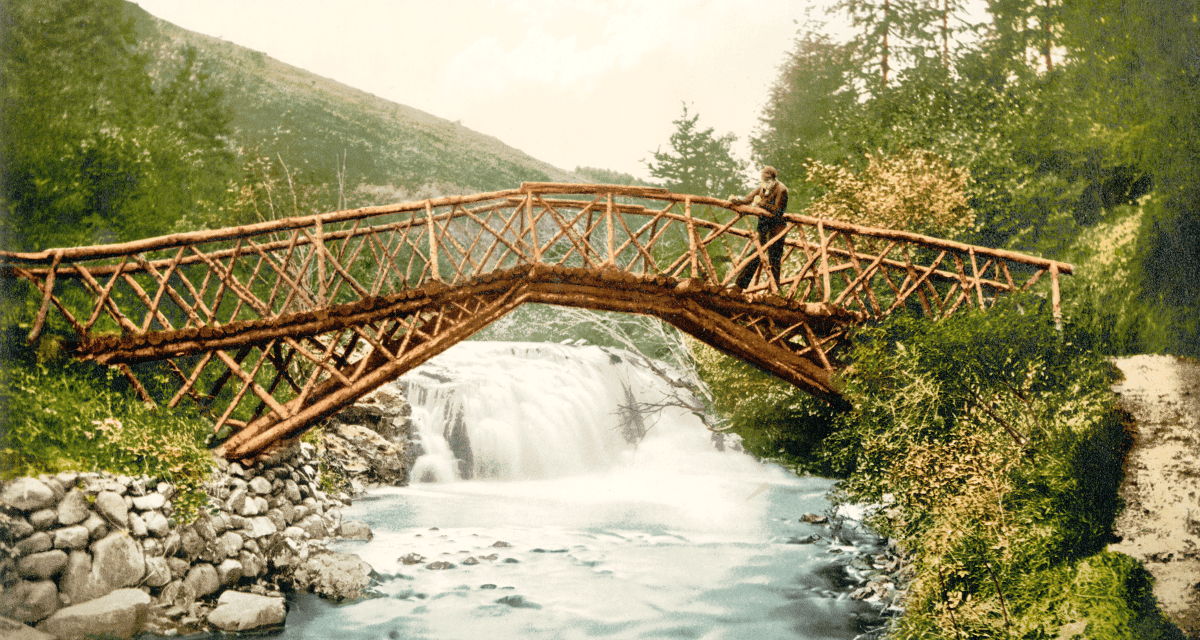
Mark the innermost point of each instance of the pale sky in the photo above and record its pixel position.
(570, 82)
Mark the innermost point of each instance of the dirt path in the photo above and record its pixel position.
(1161, 522)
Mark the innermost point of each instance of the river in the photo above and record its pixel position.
(554, 526)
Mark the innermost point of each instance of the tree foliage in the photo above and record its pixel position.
(910, 190)
(93, 152)
(699, 161)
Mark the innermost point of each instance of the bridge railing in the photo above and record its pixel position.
(318, 286)
(309, 264)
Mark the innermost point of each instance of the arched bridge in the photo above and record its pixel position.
(272, 327)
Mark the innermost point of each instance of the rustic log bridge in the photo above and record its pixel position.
(272, 327)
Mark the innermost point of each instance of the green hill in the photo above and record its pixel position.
(311, 123)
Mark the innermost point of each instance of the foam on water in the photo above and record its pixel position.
(523, 445)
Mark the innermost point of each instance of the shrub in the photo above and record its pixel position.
(62, 416)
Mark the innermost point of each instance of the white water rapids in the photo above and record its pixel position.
(523, 447)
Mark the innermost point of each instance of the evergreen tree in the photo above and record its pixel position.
(699, 162)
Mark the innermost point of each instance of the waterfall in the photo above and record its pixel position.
(518, 410)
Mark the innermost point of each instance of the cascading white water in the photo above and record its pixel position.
(530, 515)
(510, 411)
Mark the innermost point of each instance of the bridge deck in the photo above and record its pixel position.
(272, 327)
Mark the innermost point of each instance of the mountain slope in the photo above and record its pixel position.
(310, 123)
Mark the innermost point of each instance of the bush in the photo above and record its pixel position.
(62, 416)
(992, 449)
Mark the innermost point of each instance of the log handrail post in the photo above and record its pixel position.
(824, 249)
(1055, 299)
(433, 252)
(692, 244)
(608, 216)
(320, 249)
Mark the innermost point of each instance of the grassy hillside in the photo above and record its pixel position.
(311, 123)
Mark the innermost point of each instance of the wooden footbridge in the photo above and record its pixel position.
(272, 327)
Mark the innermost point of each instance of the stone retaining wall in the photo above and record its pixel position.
(75, 538)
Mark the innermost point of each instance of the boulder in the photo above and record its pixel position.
(12, 630)
(28, 601)
(27, 494)
(149, 502)
(95, 526)
(157, 524)
(43, 519)
(259, 527)
(229, 572)
(202, 579)
(238, 611)
(137, 526)
(334, 575)
(252, 563)
(74, 537)
(158, 572)
(229, 544)
(120, 614)
(355, 530)
(36, 543)
(112, 506)
(117, 560)
(73, 509)
(77, 582)
(42, 566)
(260, 485)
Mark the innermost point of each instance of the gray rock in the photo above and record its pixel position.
(355, 530)
(260, 485)
(278, 519)
(158, 572)
(151, 548)
(238, 611)
(157, 524)
(314, 526)
(112, 506)
(73, 509)
(96, 526)
(179, 567)
(202, 579)
(137, 526)
(149, 502)
(43, 519)
(42, 566)
(191, 543)
(260, 526)
(291, 491)
(262, 504)
(229, 572)
(18, 527)
(27, 494)
(36, 543)
(229, 544)
(29, 601)
(171, 543)
(252, 564)
(120, 614)
(204, 526)
(334, 575)
(75, 537)
(77, 582)
(117, 560)
(12, 630)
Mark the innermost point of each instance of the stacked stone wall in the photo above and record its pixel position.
(74, 538)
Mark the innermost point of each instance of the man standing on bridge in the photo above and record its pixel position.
(771, 195)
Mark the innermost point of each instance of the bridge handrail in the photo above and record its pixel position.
(158, 243)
